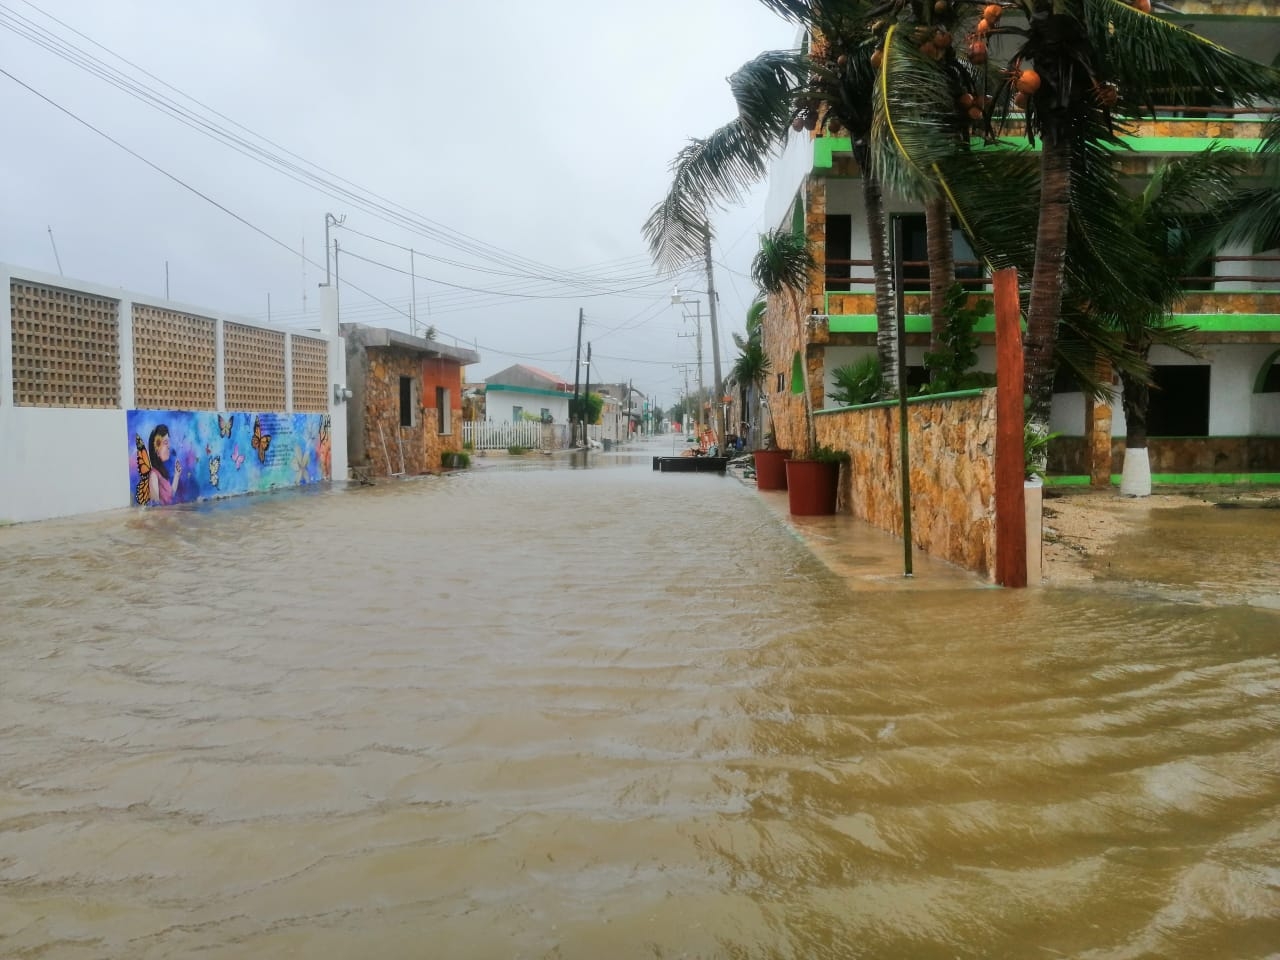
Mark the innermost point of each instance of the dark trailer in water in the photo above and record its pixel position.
(690, 464)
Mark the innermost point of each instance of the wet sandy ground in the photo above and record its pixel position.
(543, 711)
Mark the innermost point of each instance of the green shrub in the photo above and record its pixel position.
(454, 458)
(516, 450)
(829, 455)
(951, 368)
(859, 382)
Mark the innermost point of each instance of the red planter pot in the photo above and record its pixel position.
(812, 486)
(771, 471)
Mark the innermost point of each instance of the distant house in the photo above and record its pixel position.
(522, 392)
(406, 400)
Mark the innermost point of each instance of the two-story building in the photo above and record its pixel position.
(1214, 416)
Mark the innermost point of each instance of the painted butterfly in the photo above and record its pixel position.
(214, 466)
(260, 441)
(224, 424)
(142, 492)
(237, 457)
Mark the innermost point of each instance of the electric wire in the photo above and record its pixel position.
(407, 219)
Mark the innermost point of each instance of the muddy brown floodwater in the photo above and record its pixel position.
(544, 712)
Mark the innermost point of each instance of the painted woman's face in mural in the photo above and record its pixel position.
(162, 449)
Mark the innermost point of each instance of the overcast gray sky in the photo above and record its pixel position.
(536, 135)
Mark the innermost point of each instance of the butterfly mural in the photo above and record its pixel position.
(260, 441)
(142, 492)
(237, 457)
(214, 465)
(224, 424)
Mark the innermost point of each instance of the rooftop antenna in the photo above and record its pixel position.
(56, 258)
(304, 276)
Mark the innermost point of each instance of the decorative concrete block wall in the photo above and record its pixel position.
(66, 347)
(952, 454)
(174, 360)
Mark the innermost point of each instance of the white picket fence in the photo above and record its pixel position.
(482, 435)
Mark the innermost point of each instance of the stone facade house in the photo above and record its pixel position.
(406, 400)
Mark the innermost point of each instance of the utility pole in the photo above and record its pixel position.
(337, 297)
(715, 337)
(697, 316)
(631, 387)
(331, 221)
(166, 279)
(586, 395)
(577, 369)
(57, 259)
(413, 298)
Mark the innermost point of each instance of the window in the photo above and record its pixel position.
(839, 248)
(517, 414)
(915, 251)
(1179, 402)
(406, 401)
(546, 415)
(443, 422)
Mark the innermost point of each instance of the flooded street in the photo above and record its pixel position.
(536, 711)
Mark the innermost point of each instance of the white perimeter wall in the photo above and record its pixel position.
(1234, 409)
(64, 461)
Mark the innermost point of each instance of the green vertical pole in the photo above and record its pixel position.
(903, 444)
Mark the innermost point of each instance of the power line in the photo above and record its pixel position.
(379, 206)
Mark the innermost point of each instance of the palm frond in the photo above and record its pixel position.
(765, 89)
(1255, 219)
(705, 173)
(755, 316)
(914, 118)
(783, 262)
(1154, 61)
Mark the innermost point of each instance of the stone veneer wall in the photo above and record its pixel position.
(1185, 455)
(952, 450)
(421, 441)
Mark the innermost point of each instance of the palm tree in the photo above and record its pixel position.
(1185, 197)
(781, 267)
(827, 84)
(1084, 66)
(751, 367)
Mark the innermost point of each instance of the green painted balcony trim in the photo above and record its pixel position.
(825, 148)
(1177, 479)
(537, 392)
(1205, 322)
(1216, 436)
(924, 398)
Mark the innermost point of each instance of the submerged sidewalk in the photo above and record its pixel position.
(866, 557)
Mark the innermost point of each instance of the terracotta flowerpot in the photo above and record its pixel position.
(812, 486)
(771, 471)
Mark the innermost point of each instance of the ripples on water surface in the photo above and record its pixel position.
(544, 712)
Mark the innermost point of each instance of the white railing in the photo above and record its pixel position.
(498, 436)
(482, 435)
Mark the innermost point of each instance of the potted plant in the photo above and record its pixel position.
(771, 465)
(813, 482)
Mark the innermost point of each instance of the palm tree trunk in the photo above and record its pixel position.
(877, 236)
(1046, 286)
(942, 266)
(1135, 478)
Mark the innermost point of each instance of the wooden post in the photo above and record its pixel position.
(1098, 441)
(1011, 516)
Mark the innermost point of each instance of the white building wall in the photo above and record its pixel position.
(65, 461)
(498, 405)
(786, 178)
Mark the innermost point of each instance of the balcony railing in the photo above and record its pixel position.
(841, 276)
